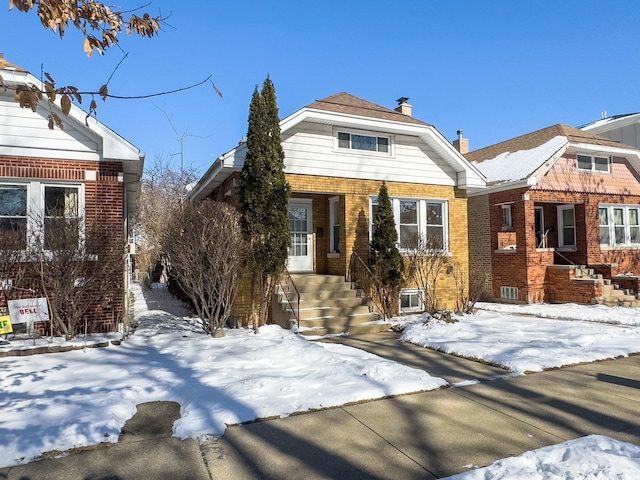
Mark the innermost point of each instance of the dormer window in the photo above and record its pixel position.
(356, 141)
(593, 163)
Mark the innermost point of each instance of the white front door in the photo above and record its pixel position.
(301, 224)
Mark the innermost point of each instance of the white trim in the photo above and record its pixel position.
(612, 226)
(334, 203)
(303, 263)
(592, 165)
(419, 294)
(421, 214)
(561, 240)
(365, 133)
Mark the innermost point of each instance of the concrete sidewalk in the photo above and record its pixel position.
(422, 436)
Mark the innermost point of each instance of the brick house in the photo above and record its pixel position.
(559, 220)
(89, 168)
(338, 151)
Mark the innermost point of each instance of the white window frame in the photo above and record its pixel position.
(626, 224)
(509, 293)
(334, 221)
(350, 149)
(562, 241)
(419, 296)
(27, 209)
(507, 219)
(593, 163)
(36, 206)
(423, 228)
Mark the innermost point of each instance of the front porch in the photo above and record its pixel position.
(553, 252)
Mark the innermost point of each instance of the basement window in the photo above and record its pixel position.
(509, 293)
(411, 300)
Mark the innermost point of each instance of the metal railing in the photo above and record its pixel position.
(363, 276)
(291, 296)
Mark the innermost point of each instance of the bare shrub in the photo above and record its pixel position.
(469, 289)
(80, 270)
(426, 260)
(204, 247)
(12, 266)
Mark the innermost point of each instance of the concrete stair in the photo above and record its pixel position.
(612, 294)
(328, 305)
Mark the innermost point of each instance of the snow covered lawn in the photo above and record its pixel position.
(593, 457)
(64, 400)
(83, 397)
(525, 344)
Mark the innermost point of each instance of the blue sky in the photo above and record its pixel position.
(495, 69)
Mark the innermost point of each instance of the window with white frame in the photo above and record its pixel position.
(408, 231)
(509, 293)
(417, 220)
(593, 163)
(13, 213)
(411, 300)
(619, 225)
(507, 222)
(334, 224)
(37, 210)
(359, 141)
(567, 226)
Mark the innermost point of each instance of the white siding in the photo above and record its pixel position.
(26, 133)
(310, 150)
(629, 135)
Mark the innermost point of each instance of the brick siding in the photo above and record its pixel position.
(104, 200)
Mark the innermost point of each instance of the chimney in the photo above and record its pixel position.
(461, 144)
(403, 107)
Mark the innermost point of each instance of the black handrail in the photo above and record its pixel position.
(290, 292)
(368, 282)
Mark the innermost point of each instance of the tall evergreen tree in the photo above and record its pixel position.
(264, 194)
(386, 260)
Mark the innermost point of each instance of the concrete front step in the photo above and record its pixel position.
(329, 305)
(353, 330)
(331, 311)
(304, 279)
(344, 321)
(350, 301)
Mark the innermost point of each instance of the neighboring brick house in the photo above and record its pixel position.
(557, 199)
(338, 151)
(95, 172)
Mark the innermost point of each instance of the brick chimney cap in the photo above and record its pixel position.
(402, 100)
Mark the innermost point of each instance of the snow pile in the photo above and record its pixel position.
(569, 311)
(592, 457)
(523, 344)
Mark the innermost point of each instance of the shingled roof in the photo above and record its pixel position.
(346, 103)
(5, 65)
(535, 139)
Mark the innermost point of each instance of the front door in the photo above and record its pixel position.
(301, 224)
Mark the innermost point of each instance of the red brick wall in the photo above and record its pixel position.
(561, 287)
(104, 202)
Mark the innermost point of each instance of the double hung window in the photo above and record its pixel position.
(417, 221)
(593, 163)
(13, 215)
(36, 212)
(619, 225)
